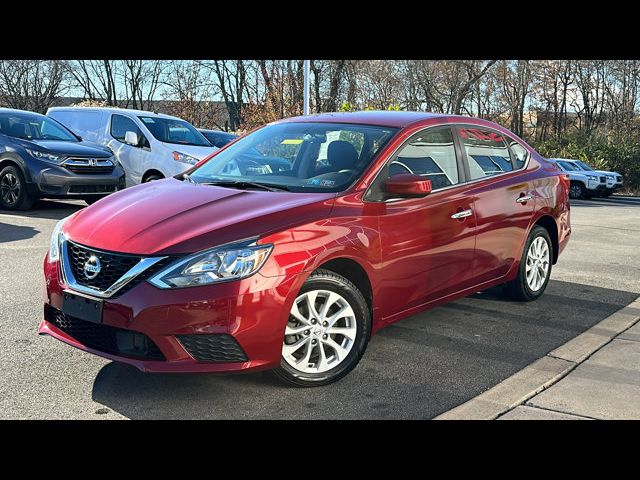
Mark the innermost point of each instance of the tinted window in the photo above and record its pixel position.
(33, 127)
(584, 166)
(487, 152)
(173, 130)
(120, 125)
(218, 139)
(316, 157)
(430, 154)
(569, 167)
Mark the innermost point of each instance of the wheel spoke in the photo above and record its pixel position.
(295, 313)
(330, 300)
(322, 362)
(295, 330)
(349, 332)
(339, 350)
(294, 347)
(310, 298)
(344, 310)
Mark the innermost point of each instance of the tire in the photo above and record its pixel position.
(92, 200)
(13, 190)
(152, 178)
(314, 370)
(521, 288)
(577, 191)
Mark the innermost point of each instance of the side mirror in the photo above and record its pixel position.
(131, 138)
(408, 185)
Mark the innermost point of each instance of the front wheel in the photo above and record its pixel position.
(577, 191)
(327, 331)
(535, 267)
(13, 190)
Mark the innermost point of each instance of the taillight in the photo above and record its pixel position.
(566, 183)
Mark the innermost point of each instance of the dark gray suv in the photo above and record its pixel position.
(40, 158)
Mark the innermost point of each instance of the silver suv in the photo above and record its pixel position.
(614, 179)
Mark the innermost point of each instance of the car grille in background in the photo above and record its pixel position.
(92, 189)
(89, 166)
(213, 348)
(603, 179)
(619, 178)
(113, 266)
(105, 338)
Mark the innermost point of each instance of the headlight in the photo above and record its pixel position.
(184, 158)
(47, 157)
(592, 177)
(220, 264)
(54, 243)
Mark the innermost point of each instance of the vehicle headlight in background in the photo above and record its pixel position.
(47, 157)
(184, 158)
(592, 177)
(220, 264)
(54, 243)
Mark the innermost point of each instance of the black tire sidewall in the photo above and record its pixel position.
(24, 201)
(333, 282)
(536, 232)
(152, 178)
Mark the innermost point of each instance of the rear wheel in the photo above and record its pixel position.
(13, 190)
(327, 332)
(535, 267)
(577, 190)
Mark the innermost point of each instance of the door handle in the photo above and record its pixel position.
(462, 214)
(524, 198)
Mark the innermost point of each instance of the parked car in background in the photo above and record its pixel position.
(614, 179)
(40, 158)
(218, 138)
(149, 145)
(242, 265)
(583, 184)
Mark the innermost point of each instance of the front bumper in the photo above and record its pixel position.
(54, 181)
(253, 312)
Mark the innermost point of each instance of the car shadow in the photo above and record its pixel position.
(49, 209)
(416, 368)
(12, 233)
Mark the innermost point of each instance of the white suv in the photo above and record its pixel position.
(583, 184)
(148, 145)
(614, 179)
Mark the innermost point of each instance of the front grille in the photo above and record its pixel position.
(213, 348)
(619, 178)
(105, 338)
(89, 166)
(603, 179)
(92, 188)
(113, 266)
(85, 170)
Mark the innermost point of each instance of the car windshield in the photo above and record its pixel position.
(33, 127)
(298, 157)
(173, 130)
(569, 167)
(584, 166)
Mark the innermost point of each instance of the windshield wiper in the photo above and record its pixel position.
(244, 184)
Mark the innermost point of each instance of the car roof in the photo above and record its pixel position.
(385, 118)
(116, 110)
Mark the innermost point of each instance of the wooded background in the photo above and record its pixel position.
(586, 109)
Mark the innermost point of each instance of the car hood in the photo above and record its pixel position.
(194, 151)
(82, 149)
(171, 216)
(605, 172)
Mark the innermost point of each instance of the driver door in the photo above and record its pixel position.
(427, 243)
(132, 157)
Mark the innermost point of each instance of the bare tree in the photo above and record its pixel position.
(231, 81)
(97, 79)
(31, 84)
(141, 79)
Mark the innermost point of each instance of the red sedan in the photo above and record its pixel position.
(291, 246)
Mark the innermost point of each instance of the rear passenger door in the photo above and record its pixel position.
(133, 158)
(503, 197)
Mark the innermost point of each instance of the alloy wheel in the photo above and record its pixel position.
(320, 333)
(10, 189)
(537, 267)
(575, 191)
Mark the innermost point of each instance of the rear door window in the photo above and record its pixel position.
(487, 152)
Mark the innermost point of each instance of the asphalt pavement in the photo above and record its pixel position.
(417, 368)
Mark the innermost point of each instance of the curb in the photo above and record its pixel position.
(545, 371)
